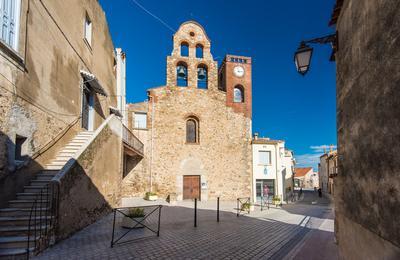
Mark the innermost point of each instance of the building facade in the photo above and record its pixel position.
(367, 188)
(58, 115)
(327, 170)
(306, 178)
(198, 126)
(273, 167)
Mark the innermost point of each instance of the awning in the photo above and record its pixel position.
(93, 83)
(115, 111)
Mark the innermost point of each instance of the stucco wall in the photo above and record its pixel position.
(367, 189)
(40, 95)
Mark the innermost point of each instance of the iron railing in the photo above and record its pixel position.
(264, 202)
(243, 205)
(135, 221)
(43, 219)
(131, 140)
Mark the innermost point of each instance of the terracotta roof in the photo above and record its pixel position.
(300, 172)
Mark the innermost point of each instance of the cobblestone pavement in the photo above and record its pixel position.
(272, 233)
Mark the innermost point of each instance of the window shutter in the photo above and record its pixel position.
(5, 17)
(13, 21)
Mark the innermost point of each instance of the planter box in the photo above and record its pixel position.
(152, 197)
(129, 223)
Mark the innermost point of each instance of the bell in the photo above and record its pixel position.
(181, 72)
(201, 73)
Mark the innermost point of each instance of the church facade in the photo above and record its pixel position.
(197, 128)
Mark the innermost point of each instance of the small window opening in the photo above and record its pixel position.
(88, 30)
(184, 49)
(181, 74)
(238, 95)
(192, 130)
(199, 51)
(19, 147)
(202, 76)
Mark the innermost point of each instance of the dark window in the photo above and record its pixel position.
(202, 76)
(184, 49)
(238, 95)
(19, 141)
(199, 51)
(181, 74)
(192, 131)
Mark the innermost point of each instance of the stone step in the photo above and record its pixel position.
(32, 189)
(14, 253)
(44, 177)
(66, 154)
(53, 167)
(18, 230)
(14, 242)
(22, 220)
(7, 212)
(27, 203)
(59, 161)
(54, 172)
(73, 145)
(80, 140)
(30, 195)
(40, 183)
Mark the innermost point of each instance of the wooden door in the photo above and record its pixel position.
(191, 187)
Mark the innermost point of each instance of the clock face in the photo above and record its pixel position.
(238, 71)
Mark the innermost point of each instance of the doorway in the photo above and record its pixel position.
(260, 188)
(191, 187)
(87, 109)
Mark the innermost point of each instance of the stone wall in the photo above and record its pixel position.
(91, 187)
(367, 189)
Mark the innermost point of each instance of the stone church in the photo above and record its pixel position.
(197, 128)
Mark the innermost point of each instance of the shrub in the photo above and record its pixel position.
(136, 213)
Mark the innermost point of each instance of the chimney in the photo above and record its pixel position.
(331, 148)
(255, 136)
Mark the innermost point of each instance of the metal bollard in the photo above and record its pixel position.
(195, 212)
(237, 211)
(262, 202)
(218, 209)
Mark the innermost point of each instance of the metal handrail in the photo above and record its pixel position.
(43, 218)
(243, 204)
(131, 140)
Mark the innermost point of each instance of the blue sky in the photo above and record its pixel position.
(300, 110)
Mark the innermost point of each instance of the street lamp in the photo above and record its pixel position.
(302, 56)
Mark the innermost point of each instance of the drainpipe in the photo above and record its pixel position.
(151, 142)
(276, 168)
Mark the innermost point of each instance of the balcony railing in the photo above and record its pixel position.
(132, 141)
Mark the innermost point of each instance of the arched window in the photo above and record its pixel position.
(192, 130)
(184, 49)
(181, 74)
(238, 94)
(199, 51)
(202, 76)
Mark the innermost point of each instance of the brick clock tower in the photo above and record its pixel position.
(235, 79)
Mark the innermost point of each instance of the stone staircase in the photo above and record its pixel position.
(14, 220)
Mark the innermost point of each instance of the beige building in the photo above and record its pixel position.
(196, 128)
(273, 167)
(306, 178)
(60, 79)
(328, 171)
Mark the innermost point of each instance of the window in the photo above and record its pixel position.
(264, 157)
(9, 21)
(202, 76)
(140, 120)
(192, 130)
(238, 96)
(88, 30)
(19, 148)
(184, 49)
(181, 74)
(199, 51)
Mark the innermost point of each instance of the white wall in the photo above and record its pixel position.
(274, 169)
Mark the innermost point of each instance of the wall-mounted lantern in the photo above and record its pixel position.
(302, 56)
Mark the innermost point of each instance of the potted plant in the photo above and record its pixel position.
(245, 206)
(133, 218)
(276, 200)
(152, 196)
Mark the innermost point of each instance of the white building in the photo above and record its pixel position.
(272, 167)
